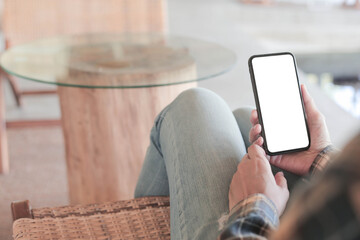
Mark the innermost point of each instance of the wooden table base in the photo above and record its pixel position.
(106, 135)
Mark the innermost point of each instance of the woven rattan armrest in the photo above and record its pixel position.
(146, 218)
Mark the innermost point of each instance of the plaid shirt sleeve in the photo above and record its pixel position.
(252, 218)
(322, 160)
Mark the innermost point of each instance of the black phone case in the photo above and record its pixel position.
(263, 134)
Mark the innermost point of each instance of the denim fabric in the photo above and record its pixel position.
(196, 145)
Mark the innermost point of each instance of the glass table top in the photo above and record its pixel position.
(118, 60)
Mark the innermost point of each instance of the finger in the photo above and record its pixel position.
(254, 117)
(310, 107)
(246, 157)
(259, 141)
(275, 160)
(254, 133)
(255, 151)
(281, 180)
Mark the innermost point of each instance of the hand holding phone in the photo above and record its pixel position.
(279, 103)
(299, 162)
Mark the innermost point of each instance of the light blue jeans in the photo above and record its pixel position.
(196, 145)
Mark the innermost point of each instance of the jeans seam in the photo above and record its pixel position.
(179, 190)
(158, 123)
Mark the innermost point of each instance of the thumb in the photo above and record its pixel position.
(281, 180)
(309, 104)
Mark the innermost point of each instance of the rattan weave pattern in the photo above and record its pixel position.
(101, 208)
(143, 218)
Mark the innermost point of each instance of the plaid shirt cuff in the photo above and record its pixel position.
(322, 160)
(252, 218)
(255, 204)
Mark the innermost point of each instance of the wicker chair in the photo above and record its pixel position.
(141, 218)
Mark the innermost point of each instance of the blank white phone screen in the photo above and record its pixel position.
(280, 103)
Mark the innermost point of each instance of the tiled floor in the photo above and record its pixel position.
(37, 157)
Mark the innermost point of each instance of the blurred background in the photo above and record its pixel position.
(324, 36)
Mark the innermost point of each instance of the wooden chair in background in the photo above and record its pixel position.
(25, 21)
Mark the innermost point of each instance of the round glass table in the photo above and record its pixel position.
(111, 86)
(117, 60)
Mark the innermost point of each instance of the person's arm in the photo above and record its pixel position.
(256, 197)
(254, 216)
(329, 207)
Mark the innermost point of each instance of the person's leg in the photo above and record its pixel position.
(242, 116)
(195, 146)
(153, 180)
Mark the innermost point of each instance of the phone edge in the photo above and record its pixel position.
(258, 109)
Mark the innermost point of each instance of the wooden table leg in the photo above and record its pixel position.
(106, 133)
(4, 154)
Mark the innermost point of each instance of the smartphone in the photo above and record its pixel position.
(279, 103)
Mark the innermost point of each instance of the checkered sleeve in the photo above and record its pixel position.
(252, 218)
(322, 160)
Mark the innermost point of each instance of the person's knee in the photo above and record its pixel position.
(197, 95)
(195, 103)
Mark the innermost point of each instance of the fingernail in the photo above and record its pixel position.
(281, 173)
